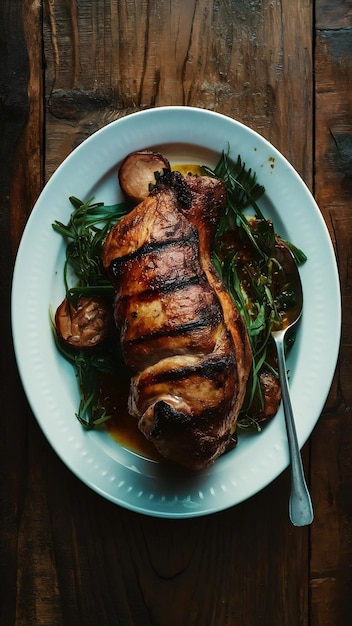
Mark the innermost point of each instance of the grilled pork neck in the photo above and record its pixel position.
(180, 330)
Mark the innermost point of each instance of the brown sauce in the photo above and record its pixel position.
(121, 426)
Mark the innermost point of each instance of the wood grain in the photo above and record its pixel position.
(68, 67)
(227, 57)
(331, 577)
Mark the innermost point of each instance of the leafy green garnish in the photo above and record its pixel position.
(84, 234)
(244, 256)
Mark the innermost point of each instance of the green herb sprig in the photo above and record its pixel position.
(84, 235)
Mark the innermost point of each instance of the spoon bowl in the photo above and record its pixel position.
(300, 504)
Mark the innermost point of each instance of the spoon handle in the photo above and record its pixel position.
(300, 504)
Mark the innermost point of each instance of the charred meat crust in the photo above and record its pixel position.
(167, 417)
(177, 182)
(168, 420)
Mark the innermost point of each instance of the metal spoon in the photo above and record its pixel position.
(300, 505)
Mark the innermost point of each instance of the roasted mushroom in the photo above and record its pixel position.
(85, 326)
(137, 173)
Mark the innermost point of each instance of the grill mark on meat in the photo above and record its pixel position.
(197, 302)
(145, 351)
(155, 248)
(180, 330)
(212, 368)
(159, 270)
(164, 287)
(142, 314)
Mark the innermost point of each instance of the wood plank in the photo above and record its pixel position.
(230, 58)
(27, 571)
(28, 160)
(331, 443)
(13, 116)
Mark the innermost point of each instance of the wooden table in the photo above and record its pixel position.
(68, 67)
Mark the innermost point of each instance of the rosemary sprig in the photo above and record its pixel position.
(84, 235)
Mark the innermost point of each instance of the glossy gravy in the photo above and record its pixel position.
(121, 426)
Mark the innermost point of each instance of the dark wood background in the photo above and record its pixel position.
(68, 67)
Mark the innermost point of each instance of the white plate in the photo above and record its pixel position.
(183, 135)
